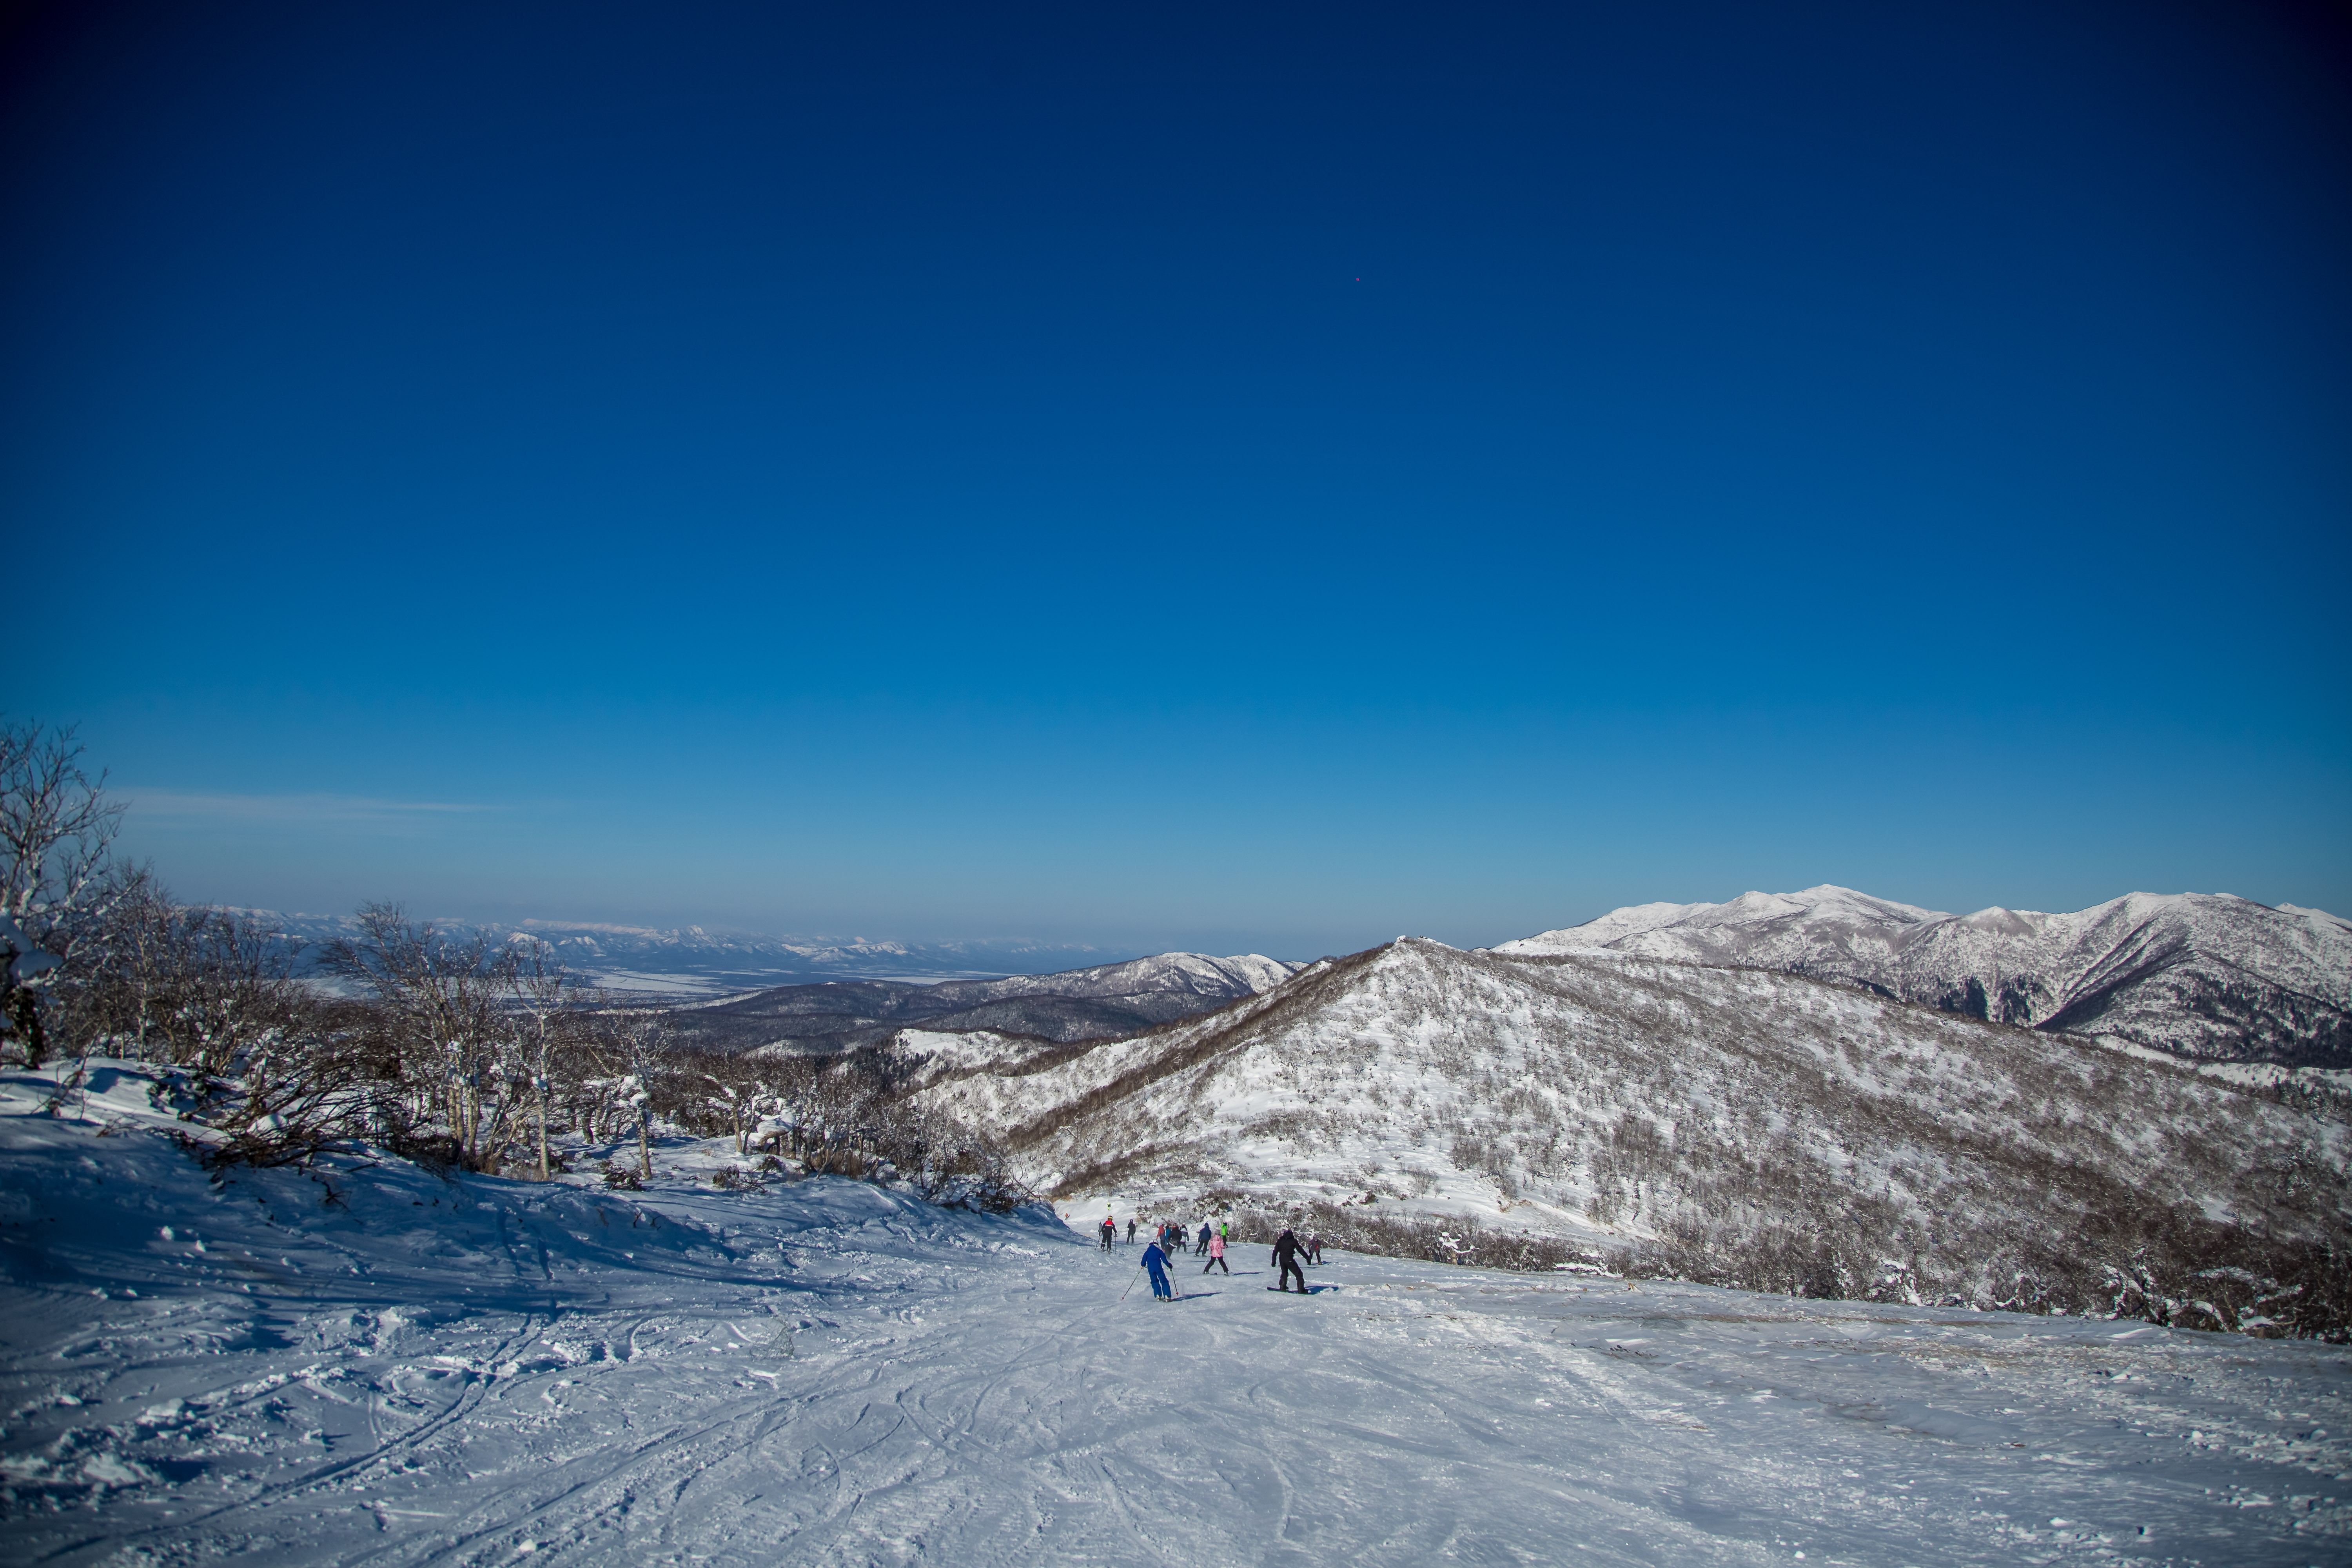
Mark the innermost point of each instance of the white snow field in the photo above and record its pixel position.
(383, 1366)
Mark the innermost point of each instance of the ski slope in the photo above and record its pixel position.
(416, 1370)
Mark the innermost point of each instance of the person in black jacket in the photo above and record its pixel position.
(1286, 1256)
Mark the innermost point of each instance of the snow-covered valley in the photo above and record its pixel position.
(389, 1366)
(693, 964)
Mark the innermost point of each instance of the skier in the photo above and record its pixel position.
(1215, 1248)
(1109, 1230)
(1314, 1250)
(1286, 1254)
(1157, 1262)
(1131, 1230)
(1201, 1242)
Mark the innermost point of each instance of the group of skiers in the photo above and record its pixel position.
(1171, 1238)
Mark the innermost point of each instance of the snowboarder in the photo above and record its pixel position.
(1215, 1248)
(1286, 1257)
(1314, 1250)
(1157, 1262)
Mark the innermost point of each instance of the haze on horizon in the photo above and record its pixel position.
(1207, 480)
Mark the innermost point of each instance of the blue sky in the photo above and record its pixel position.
(1214, 476)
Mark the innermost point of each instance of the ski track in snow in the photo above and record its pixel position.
(485, 1372)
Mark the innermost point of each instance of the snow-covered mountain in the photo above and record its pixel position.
(1605, 1095)
(688, 962)
(2201, 975)
(1093, 1004)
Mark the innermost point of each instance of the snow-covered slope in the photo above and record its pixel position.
(1190, 976)
(2202, 975)
(1604, 1094)
(1093, 1003)
(380, 1366)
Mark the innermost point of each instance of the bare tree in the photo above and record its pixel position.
(57, 873)
(545, 1006)
(193, 987)
(439, 998)
(637, 1043)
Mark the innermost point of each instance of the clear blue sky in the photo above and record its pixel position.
(1210, 476)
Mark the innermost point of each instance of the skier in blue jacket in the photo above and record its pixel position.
(1157, 1262)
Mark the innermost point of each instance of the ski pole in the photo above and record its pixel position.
(1130, 1285)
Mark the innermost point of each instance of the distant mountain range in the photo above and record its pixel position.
(1097, 1002)
(689, 963)
(1731, 1112)
(2206, 976)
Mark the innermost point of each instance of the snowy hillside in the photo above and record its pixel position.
(2201, 975)
(1605, 1095)
(689, 963)
(365, 1362)
(1093, 1003)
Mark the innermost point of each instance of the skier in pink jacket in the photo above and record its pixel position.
(1216, 1254)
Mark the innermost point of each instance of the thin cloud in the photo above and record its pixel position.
(182, 806)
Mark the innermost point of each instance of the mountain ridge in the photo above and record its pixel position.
(2203, 976)
(1608, 1097)
(1099, 1002)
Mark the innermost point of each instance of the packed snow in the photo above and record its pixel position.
(364, 1362)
